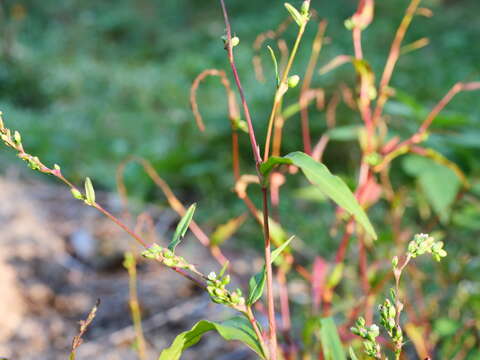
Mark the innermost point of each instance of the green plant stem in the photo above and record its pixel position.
(249, 314)
(258, 161)
(122, 225)
(278, 96)
(135, 307)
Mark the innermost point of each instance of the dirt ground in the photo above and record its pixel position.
(58, 256)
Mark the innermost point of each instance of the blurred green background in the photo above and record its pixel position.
(88, 83)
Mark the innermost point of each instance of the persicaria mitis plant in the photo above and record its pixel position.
(279, 338)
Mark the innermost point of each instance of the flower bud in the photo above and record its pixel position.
(293, 81)
(17, 137)
(395, 261)
(305, 7)
(76, 194)
(235, 41)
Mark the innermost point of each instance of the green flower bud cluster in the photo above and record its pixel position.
(14, 141)
(33, 162)
(167, 257)
(300, 17)
(216, 287)
(387, 319)
(369, 335)
(423, 243)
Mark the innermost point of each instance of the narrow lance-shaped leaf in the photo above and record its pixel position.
(237, 328)
(299, 19)
(332, 186)
(275, 64)
(89, 192)
(257, 282)
(182, 228)
(331, 344)
(353, 356)
(225, 231)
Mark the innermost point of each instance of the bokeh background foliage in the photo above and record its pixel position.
(89, 82)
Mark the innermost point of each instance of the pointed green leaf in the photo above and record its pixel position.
(225, 231)
(273, 161)
(182, 228)
(333, 187)
(89, 192)
(353, 356)
(237, 328)
(331, 344)
(278, 251)
(256, 283)
(275, 64)
(299, 19)
(438, 182)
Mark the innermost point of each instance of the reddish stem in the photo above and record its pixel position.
(268, 265)
(246, 110)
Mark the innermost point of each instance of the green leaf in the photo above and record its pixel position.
(336, 275)
(89, 192)
(299, 19)
(182, 228)
(273, 161)
(225, 231)
(438, 182)
(256, 283)
(333, 187)
(310, 193)
(353, 356)
(331, 345)
(344, 133)
(277, 233)
(237, 328)
(275, 64)
(278, 251)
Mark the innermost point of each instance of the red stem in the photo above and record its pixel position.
(251, 132)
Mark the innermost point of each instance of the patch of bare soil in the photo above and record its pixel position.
(58, 256)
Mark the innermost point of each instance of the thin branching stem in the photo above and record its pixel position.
(258, 161)
(281, 90)
(253, 322)
(316, 48)
(268, 266)
(246, 110)
(393, 56)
